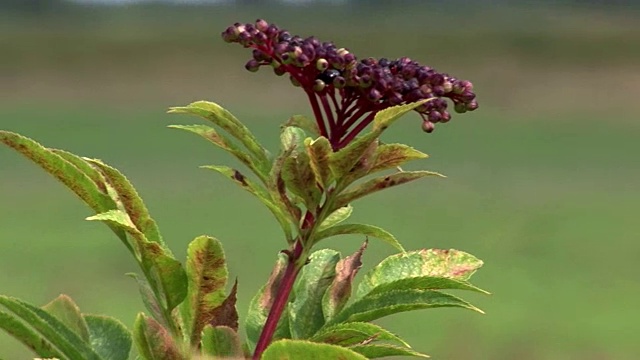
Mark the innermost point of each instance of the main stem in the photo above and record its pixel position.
(280, 301)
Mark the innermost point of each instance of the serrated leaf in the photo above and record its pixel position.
(108, 337)
(27, 336)
(166, 276)
(305, 311)
(67, 173)
(344, 161)
(153, 341)
(375, 306)
(300, 180)
(300, 349)
(380, 183)
(389, 156)
(120, 220)
(257, 190)
(319, 152)
(53, 330)
(363, 229)
(226, 144)
(339, 291)
(221, 341)
(278, 190)
(388, 116)
(303, 123)
(261, 304)
(292, 139)
(131, 201)
(453, 264)
(336, 217)
(373, 351)
(223, 118)
(422, 283)
(353, 333)
(207, 278)
(65, 310)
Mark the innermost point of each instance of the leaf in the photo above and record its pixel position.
(207, 278)
(65, 310)
(300, 180)
(153, 341)
(149, 299)
(131, 201)
(278, 190)
(77, 181)
(359, 151)
(305, 311)
(364, 229)
(165, 275)
(339, 291)
(53, 330)
(346, 334)
(319, 152)
(221, 341)
(423, 283)
(226, 144)
(303, 123)
(372, 351)
(226, 314)
(261, 304)
(380, 183)
(375, 306)
(223, 118)
(452, 264)
(257, 190)
(336, 217)
(389, 156)
(27, 336)
(388, 116)
(292, 139)
(120, 221)
(300, 349)
(109, 337)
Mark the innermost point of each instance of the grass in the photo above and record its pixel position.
(541, 180)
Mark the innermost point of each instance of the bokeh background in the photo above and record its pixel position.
(542, 179)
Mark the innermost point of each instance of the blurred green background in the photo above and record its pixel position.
(542, 179)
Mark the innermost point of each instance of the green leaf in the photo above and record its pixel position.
(336, 217)
(221, 341)
(65, 310)
(149, 299)
(303, 123)
(380, 183)
(207, 278)
(421, 283)
(292, 138)
(389, 156)
(53, 330)
(319, 152)
(453, 264)
(261, 304)
(356, 157)
(372, 351)
(364, 229)
(119, 220)
(70, 175)
(300, 349)
(108, 337)
(131, 201)
(226, 144)
(27, 336)
(375, 306)
(300, 180)
(165, 275)
(346, 334)
(278, 190)
(153, 341)
(388, 116)
(258, 191)
(339, 291)
(229, 123)
(305, 311)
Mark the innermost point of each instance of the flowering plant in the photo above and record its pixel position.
(307, 308)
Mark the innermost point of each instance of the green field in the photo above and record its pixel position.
(542, 179)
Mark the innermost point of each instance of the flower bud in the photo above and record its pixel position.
(460, 108)
(339, 82)
(322, 64)
(262, 25)
(374, 95)
(427, 126)
(252, 65)
(318, 85)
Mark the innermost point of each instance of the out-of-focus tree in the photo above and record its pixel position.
(31, 6)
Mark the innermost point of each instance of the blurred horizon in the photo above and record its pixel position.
(541, 179)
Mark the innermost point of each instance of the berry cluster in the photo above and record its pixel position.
(348, 91)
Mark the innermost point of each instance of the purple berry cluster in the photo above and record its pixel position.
(350, 91)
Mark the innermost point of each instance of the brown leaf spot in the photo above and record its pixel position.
(226, 314)
(237, 176)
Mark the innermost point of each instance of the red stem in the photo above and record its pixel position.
(361, 125)
(317, 113)
(280, 301)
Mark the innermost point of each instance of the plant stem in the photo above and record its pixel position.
(282, 296)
